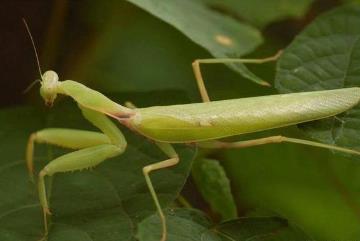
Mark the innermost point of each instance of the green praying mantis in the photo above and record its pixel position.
(201, 124)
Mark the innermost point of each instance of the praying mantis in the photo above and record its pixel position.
(201, 124)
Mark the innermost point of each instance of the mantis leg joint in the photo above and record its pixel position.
(279, 139)
(167, 163)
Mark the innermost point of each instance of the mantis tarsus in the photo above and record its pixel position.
(199, 123)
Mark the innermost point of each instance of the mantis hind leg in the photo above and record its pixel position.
(273, 139)
(173, 160)
(200, 81)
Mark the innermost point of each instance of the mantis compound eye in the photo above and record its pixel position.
(50, 78)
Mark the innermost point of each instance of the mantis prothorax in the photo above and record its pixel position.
(199, 123)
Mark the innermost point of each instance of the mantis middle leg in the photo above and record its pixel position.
(200, 81)
(94, 148)
(172, 161)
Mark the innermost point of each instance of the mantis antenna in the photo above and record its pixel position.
(36, 56)
(31, 85)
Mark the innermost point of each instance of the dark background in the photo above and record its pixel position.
(70, 39)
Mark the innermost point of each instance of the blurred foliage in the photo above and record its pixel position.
(191, 225)
(129, 54)
(214, 186)
(313, 189)
(222, 36)
(251, 11)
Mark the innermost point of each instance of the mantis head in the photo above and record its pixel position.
(49, 86)
(49, 80)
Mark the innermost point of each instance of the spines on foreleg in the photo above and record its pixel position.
(77, 160)
(67, 138)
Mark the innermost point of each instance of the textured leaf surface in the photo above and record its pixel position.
(183, 225)
(326, 55)
(260, 229)
(192, 225)
(214, 186)
(221, 35)
(100, 204)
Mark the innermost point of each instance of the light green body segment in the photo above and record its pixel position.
(91, 99)
(217, 119)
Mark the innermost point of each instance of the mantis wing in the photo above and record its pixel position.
(217, 119)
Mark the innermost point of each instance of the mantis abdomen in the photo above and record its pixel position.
(217, 119)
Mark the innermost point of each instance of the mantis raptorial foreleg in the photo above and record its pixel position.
(272, 139)
(68, 138)
(95, 148)
(77, 160)
(173, 160)
(200, 81)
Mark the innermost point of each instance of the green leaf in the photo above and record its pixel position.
(258, 12)
(260, 229)
(104, 203)
(221, 35)
(218, 34)
(214, 186)
(312, 188)
(183, 225)
(326, 55)
(192, 225)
